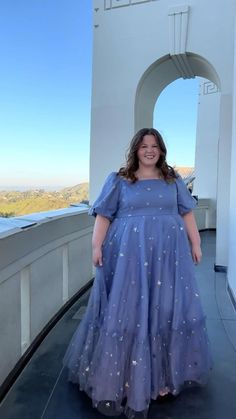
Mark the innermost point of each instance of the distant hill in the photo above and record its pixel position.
(15, 203)
(184, 171)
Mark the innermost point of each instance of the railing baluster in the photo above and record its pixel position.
(25, 308)
(65, 280)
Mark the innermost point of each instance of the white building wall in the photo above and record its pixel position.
(207, 142)
(223, 183)
(232, 207)
(133, 62)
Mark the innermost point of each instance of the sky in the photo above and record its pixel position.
(175, 116)
(45, 96)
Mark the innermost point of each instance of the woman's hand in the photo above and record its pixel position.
(101, 226)
(97, 256)
(196, 253)
(194, 237)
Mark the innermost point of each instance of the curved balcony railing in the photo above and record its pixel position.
(45, 259)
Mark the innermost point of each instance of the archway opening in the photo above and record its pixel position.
(187, 115)
(156, 83)
(175, 116)
(157, 77)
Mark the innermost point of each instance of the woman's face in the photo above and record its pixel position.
(148, 152)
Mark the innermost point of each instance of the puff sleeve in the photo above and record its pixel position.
(108, 200)
(185, 201)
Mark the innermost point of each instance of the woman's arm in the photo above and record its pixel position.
(193, 235)
(99, 233)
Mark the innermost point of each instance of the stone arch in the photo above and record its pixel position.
(153, 81)
(159, 75)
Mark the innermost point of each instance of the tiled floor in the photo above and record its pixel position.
(42, 390)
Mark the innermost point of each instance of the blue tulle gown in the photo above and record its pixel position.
(144, 328)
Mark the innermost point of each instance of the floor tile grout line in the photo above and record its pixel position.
(229, 337)
(50, 396)
(220, 317)
(226, 297)
(227, 319)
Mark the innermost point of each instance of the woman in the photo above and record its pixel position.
(143, 335)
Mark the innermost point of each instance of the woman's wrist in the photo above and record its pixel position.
(96, 246)
(196, 244)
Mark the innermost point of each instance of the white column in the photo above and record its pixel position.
(223, 181)
(232, 205)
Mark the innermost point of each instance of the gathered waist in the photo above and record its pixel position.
(144, 212)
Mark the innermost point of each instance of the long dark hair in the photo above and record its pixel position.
(132, 163)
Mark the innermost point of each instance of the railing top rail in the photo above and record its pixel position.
(12, 225)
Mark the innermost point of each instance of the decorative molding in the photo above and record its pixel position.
(114, 4)
(107, 4)
(183, 66)
(208, 88)
(178, 25)
(178, 30)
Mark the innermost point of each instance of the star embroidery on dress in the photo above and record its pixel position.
(127, 384)
(134, 362)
